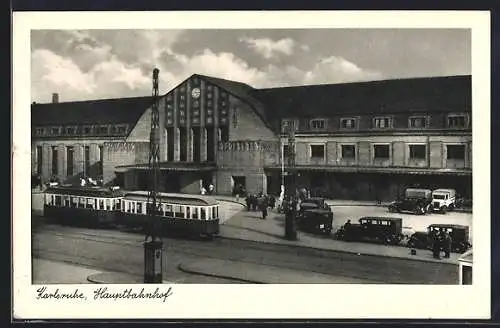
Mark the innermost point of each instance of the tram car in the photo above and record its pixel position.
(180, 215)
(82, 206)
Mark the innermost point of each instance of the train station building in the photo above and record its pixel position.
(366, 141)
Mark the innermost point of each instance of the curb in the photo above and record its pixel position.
(183, 269)
(342, 251)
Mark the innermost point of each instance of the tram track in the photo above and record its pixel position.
(124, 250)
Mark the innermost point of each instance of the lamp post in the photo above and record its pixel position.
(290, 189)
(153, 245)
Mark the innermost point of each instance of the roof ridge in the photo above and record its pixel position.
(92, 100)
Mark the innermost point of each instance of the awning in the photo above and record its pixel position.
(382, 170)
(171, 166)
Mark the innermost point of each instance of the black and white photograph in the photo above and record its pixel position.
(326, 157)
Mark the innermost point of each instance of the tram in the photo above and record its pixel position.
(82, 206)
(179, 214)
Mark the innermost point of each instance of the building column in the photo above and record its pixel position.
(203, 132)
(61, 162)
(177, 144)
(47, 162)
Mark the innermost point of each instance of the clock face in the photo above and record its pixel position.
(195, 93)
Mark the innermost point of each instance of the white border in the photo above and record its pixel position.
(260, 301)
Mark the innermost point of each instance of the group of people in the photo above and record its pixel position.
(441, 241)
(260, 202)
(210, 191)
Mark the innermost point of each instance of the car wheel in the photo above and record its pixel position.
(444, 209)
(328, 230)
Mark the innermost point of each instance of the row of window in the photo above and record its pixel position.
(70, 159)
(133, 207)
(81, 130)
(175, 211)
(454, 121)
(383, 151)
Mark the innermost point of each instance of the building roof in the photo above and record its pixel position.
(448, 93)
(240, 90)
(102, 111)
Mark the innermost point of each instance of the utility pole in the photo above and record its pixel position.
(153, 245)
(290, 189)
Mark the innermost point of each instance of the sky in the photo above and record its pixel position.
(98, 64)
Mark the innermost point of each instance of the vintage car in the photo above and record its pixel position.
(417, 201)
(443, 200)
(379, 229)
(459, 237)
(315, 220)
(314, 202)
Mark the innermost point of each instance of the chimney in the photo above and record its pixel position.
(55, 98)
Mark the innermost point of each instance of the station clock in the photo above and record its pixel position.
(195, 93)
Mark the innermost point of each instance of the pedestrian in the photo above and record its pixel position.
(247, 200)
(263, 207)
(446, 244)
(203, 191)
(211, 189)
(436, 245)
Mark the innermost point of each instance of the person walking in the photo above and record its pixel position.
(446, 244)
(436, 245)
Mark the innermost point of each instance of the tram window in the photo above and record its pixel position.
(118, 204)
(195, 212)
(178, 211)
(203, 213)
(90, 202)
(168, 210)
(216, 212)
(58, 201)
(101, 204)
(66, 201)
(74, 202)
(188, 212)
(139, 208)
(81, 202)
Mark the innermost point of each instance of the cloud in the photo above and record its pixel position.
(83, 65)
(269, 48)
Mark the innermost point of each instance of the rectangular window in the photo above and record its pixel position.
(455, 152)
(317, 151)
(417, 122)
(69, 130)
(347, 123)
(121, 129)
(348, 151)
(39, 160)
(86, 159)
(40, 131)
(288, 124)
(54, 160)
(382, 122)
(103, 129)
(417, 151)
(87, 130)
(55, 131)
(69, 161)
(318, 124)
(101, 149)
(224, 134)
(457, 121)
(381, 151)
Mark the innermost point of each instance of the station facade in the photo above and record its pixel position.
(365, 141)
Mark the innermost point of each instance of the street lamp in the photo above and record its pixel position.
(290, 189)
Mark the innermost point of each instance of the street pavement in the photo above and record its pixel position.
(225, 260)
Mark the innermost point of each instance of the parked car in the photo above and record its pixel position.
(443, 200)
(315, 220)
(314, 202)
(378, 229)
(459, 237)
(417, 201)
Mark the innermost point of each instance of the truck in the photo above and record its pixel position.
(443, 200)
(417, 201)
